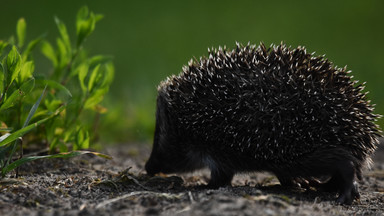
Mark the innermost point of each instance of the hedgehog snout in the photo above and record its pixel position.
(152, 167)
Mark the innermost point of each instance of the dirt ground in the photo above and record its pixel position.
(89, 185)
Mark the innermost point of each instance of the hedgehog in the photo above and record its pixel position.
(276, 109)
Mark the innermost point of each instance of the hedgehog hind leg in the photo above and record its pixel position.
(342, 181)
(349, 194)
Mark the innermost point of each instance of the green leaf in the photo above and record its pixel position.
(99, 17)
(19, 133)
(64, 34)
(81, 25)
(13, 65)
(21, 31)
(85, 24)
(16, 143)
(54, 131)
(51, 106)
(104, 77)
(68, 134)
(4, 136)
(49, 52)
(4, 150)
(5, 130)
(53, 143)
(34, 108)
(99, 59)
(3, 44)
(108, 75)
(62, 146)
(12, 40)
(55, 85)
(85, 143)
(82, 14)
(92, 79)
(1, 79)
(95, 98)
(63, 53)
(59, 155)
(82, 139)
(31, 45)
(18, 94)
(26, 71)
(82, 73)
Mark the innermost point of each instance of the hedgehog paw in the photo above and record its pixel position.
(287, 182)
(347, 196)
(307, 183)
(299, 182)
(217, 183)
(220, 178)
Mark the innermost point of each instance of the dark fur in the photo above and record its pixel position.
(258, 109)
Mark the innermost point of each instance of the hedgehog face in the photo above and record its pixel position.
(157, 162)
(170, 153)
(153, 165)
(166, 160)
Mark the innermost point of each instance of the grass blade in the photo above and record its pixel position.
(21, 132)
(55, 85)
(34, 108)
(16, 135)
(59, 155)
(5, 130)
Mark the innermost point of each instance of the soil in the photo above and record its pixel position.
(90, 185)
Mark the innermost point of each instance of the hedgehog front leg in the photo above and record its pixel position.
(286, 181)
(220, 177)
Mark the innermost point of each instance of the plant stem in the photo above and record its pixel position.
(96, 126)
(14, 146)
(4, 92)
(69, 66)
(21, 156)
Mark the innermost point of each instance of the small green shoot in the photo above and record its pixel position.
(56, 102)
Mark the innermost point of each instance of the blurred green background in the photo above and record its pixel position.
(150, 40)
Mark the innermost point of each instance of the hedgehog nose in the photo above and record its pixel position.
(150, 168)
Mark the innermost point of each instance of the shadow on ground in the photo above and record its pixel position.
(89, 185)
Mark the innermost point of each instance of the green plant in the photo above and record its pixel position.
(76, 83)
